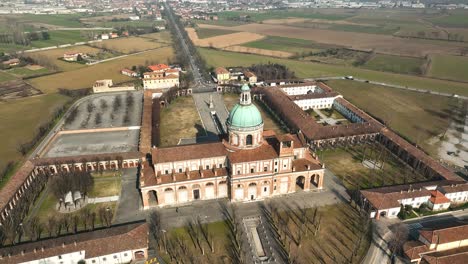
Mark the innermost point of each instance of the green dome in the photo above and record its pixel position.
(245, 88)
(244, 116)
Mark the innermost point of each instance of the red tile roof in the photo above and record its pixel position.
(158, 67)
(445, 235)
(15, 182)
(95, 243)
(438, 198)
(452, 256)
(221, 70)
(414, 248)
(188, 152)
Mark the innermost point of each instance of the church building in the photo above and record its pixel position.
(249, 164)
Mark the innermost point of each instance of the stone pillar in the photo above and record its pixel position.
(145, 199)
(320, 180)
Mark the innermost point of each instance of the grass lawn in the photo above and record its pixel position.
(417, 116)
(106, 186)
(25, 72)
(341, 227)
(219, 232)
(292, 45)
(212, 32)
(269, 123)
(47, 209)
(21, 118)
(396, 64)
(347, 165)
(180, 119)
(449, 67)
(86, 76)
(302, 69)
(5, 76)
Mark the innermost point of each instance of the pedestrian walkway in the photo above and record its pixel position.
(202, 102)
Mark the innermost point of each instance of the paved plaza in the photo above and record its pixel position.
(94, 143)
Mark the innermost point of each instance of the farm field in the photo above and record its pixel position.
(211, 32)
(5, 76)
(418, 117)
(69, 20)
(21, 118)
(396, 64)
(128, 45)
(85, 77)
(297, 46)
(161, 37)
(59, 37)
(457, 18)
(449, 67)
(28, 71)
(51, 58)
(224, 40)
(180, 119)
(279, 14)
(360, 41)
(215, 58)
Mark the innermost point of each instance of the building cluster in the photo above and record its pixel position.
(437, 245)
(78, 6)
(248, 164)
(161, 77)
(437, 195)
(223, 76)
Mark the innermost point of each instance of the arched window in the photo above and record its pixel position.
(249, 140)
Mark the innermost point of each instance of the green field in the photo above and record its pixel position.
(59, 38)
(215, 58)
(25, 72)
(4, 76)
(292, 45)
(299, 13)
(456, 19)
(449, 67)
(21, 118)
(396, 64)
(69, 20)
(417, 116)
(211, 32)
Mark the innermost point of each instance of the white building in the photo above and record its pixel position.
(119, 244)
(105, 86)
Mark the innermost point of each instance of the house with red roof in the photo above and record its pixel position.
(445, 244)
(438, 201)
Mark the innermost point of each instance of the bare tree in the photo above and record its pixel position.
(399, 237)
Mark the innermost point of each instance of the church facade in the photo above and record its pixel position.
(250, 164)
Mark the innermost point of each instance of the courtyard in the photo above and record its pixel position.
(106, 110)
(368, 166)
(93, 143)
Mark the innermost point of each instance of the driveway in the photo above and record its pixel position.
(129, 207)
